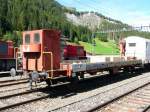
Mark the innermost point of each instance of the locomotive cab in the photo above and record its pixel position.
(42, 56)
(40, 46)
(9, 60)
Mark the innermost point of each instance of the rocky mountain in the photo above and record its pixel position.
(21, 15)
(93, 20)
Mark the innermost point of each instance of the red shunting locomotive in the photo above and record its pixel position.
(7, 55)
(44, 56)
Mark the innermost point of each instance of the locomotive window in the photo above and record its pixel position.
(36, 38)
(27, 39)
(132, 44)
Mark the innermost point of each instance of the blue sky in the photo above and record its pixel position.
(133, 12)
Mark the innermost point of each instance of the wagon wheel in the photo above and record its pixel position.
(48, 82)
(82, 75)
(92, 73)
(74, 83)
(75, 78)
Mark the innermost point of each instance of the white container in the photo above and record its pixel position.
(138, 47)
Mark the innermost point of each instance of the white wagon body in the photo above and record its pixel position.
(138, 47)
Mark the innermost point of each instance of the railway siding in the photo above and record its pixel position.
(135, 102)
(99, 95)
(100, 98)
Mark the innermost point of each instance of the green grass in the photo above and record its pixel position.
(103, 48)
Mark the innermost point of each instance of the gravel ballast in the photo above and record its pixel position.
(87, 98)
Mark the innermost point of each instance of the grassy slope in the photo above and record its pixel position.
(104, 48)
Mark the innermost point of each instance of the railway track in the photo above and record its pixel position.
(25, 88)
(36, 94)
(12, 80)
(97, 104)
(28, 96)
(137, 100)
(14, 83)
(10, 88)
(21, 93)
(18, 89)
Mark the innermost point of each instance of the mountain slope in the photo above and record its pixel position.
(20, 15)
(91, 20)
(94, 20)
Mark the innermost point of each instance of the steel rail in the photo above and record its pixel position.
(22, 93)
(5, 81)
(16, 83)
(97, 107)
(104, 104)
(24, 102)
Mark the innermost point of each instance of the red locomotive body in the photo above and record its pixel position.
(74, 52)
(42, 54)
(41, 50)
(6, 49)
(7, 56)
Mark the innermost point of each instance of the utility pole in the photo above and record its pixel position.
(93, 44)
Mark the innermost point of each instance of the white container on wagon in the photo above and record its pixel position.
(138, 47)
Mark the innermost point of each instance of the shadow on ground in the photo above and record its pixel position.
(91, 84)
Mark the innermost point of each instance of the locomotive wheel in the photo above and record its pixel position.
(113, 71)
(74, 83)
(75, 79)
(48, 82)
(132, 69)
(82, 75)
(92, 72)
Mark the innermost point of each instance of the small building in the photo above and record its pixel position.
(138, 47)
